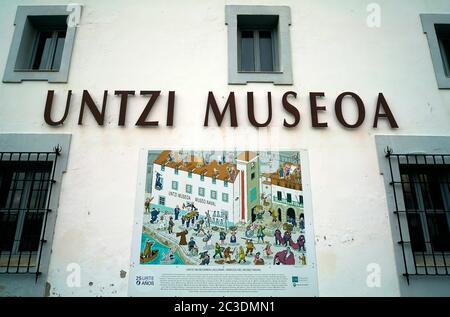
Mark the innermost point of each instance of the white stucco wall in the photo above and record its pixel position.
(182, 46)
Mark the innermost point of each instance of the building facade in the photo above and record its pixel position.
(362, 86)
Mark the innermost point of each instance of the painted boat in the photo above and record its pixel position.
(150, 257)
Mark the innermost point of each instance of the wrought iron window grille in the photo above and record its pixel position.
(26, 183)
(420, 186)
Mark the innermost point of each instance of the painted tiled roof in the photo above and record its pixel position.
(221, 171)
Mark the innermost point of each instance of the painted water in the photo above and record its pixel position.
(163, 249)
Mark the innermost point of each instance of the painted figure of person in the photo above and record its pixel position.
(217, 250)
(260, 233)
(154, 215)
(257, 260)
(233, 237)
(182, 235)
(204, 258)
(278, 237)
(222, 236)
(176, 212)
(268, 249)
(207, 239)
(303, 259)
(241, 254)
(208, 219)
(301, 242)
(227, 254)
(188, 222)
(191, 244)
(250, 247)
(302, 224)
(147, 205)
(286, 237)
(170, 226)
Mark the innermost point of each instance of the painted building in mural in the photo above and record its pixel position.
(361, 87)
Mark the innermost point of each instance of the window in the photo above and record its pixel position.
(202, 178)
(437, 29)
(201, 192)
(258, 44)
(31, 170)
(189, 189)
(253, 195)
(42, 43)
(214, 181)
(189, 174)
(174, 185)
(23, 198)
(420, 191)
(426, 195)
(279, 196)
(163, 167)
(225, 183)
(213, 194)
(253, 176)
(162, 200)
(289, 197)
(225, 197)
(176, 171)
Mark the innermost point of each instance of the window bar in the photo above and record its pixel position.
(38, 207)
(426, 222)
(401, 242)
(16, 180)
(416, 213)
(426, 217)
(447, 210)
(57, 150)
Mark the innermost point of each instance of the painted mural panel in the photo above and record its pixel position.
(228, 210)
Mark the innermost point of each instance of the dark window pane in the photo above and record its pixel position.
(289, 198)
(439, 232)
(409, 193)
(247, 51)
(43, 51)
(265, 50)
(31, 232)
(8, 223)
(58, 50)
(279, 196)
(416, 233)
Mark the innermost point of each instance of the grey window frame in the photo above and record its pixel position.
(441, 70)
(13, 75)
(282, 74)
(28, 284)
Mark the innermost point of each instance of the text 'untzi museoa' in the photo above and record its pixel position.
(382, 110)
